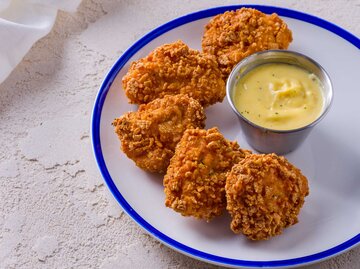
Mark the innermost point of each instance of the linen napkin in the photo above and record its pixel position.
(22, 23)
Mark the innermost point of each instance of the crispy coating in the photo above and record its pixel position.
(264, 195)
(235, 35)
(172, 69)
(195, 179)
(149, 135)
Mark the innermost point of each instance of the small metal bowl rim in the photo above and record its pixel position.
(248, 59)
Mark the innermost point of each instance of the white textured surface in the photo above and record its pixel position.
(55, 211)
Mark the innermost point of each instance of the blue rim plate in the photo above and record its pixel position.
(96, 117)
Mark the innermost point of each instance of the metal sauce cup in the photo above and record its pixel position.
(269, 140)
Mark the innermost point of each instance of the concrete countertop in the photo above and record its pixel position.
(55, 210)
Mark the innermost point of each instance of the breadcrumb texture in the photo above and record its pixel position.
(195, 179)
(149, 135)
(234, 35)
(264, 195)
(172, 69)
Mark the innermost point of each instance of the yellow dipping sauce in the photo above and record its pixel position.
(279, 96)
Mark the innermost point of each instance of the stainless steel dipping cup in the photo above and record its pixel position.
(278, 141)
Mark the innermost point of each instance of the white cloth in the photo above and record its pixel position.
(22, 23)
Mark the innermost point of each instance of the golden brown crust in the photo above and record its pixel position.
(235, 35)
(195, 179)
(264, 195)
(149, 136)
(172, 69)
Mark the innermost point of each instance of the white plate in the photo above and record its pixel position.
(330, 157)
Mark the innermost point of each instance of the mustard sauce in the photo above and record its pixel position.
(279, 96)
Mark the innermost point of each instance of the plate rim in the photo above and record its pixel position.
(97, 151)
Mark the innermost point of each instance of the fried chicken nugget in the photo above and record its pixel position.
(235, 35)
(264, 195)
(172, 69)
(149, 135)
(195, 179)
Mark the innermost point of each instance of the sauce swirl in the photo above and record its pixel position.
(279, 96)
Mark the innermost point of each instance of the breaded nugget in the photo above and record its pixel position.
(195, 179)
(172, 69)
(149, 135)
(264, 195)
(235, 35)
